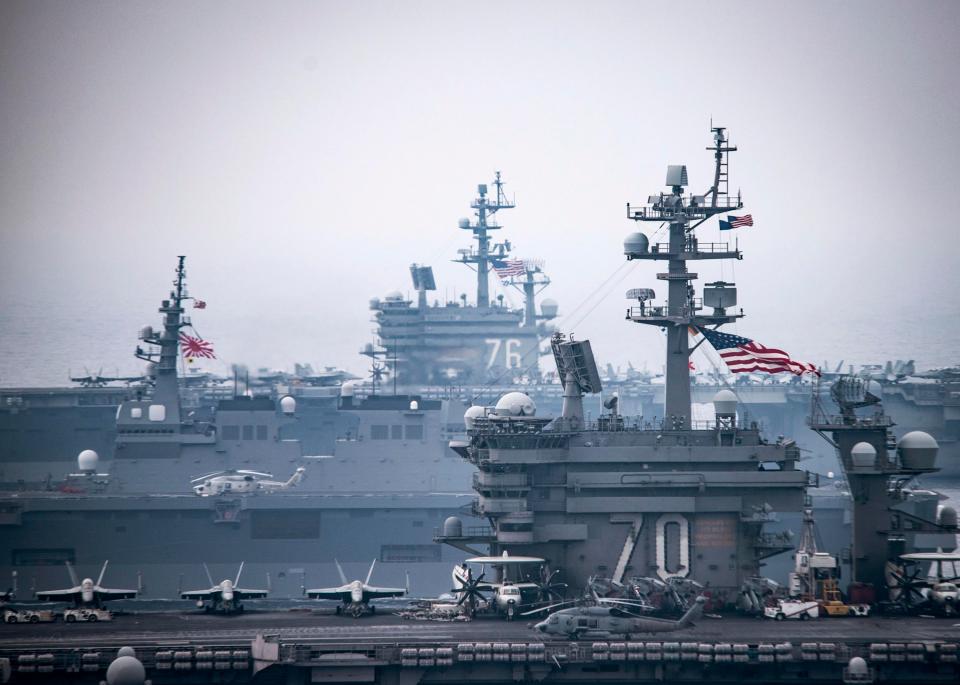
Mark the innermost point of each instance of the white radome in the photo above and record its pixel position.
(472, 414)
(88, 460)
(516, 404)
(288, 405)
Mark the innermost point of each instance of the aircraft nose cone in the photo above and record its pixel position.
(227, 596)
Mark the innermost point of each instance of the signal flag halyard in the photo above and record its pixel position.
(743, 355)
(736, 222)
(195, 347)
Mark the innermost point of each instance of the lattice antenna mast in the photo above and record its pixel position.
(484, 209)
(167, 341)
(683, 309)
(721, 155)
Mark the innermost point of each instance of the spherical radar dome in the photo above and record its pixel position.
(636, 243)
(126, 670)
(453, 527)
(516, 404)
(863, 454)
(549, 308)
(126, 651)
(725, 403)
(918, 450)
(288, 405)
(472, 414)
(857, 667)
(395, 296)
(87, 460)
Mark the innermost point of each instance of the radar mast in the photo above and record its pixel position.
(682, 309)
(485, 253)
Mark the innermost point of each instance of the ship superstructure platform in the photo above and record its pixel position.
(305, 646)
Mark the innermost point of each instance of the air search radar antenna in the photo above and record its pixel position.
(577, 368)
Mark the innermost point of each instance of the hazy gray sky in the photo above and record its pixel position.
(304, 154)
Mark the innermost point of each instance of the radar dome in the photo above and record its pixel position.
(88, 460)
(464, 223)
(947, 517)
(453, 527)
(918, 450)
(549, 308)
(864, 455)
(288, 405)
(471, 415)
(414, 405)
(348, 389)
(395, 296)
(725, 403)
(516, 404)
(857, 669)
(126, 670)
(636, 244)
(126, 651)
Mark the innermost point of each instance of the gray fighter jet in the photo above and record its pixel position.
(86, 593)
(226, 596)
(604, 621)
(355, 595)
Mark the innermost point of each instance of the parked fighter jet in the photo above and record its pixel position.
(226, 596)
(606, 621)
(355, 595)
(242, 482)
(86, 593)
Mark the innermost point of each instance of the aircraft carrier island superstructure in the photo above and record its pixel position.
(622, 497)
(459, 343)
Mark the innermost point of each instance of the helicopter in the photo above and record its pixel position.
(242, 482)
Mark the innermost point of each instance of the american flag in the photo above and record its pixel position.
(738, 221)
(506, 268)
(744, 355)
(195, 347)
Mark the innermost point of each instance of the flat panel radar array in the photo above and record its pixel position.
(423, 277)
(575, 357)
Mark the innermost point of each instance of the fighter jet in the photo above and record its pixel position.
(226, 596)
(86, 593)
(355, 595)
(606, 621)
(242, 482)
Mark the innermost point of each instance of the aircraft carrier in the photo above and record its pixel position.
(611, 496)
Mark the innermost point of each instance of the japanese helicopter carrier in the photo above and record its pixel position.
(615, 496)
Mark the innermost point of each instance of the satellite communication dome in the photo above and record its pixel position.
(864, 455)
(857, 668)
(414, 405)
(725, 403)
(88, 460)
(453, 527)
(516, 404)
(395, 296)
(464, 223)
(918, 450)
(549, 308)
(126, 651)
(472, 414)
(126, 670)
(348, 389)
(288, 405)
(947, 517)
(636, 244)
